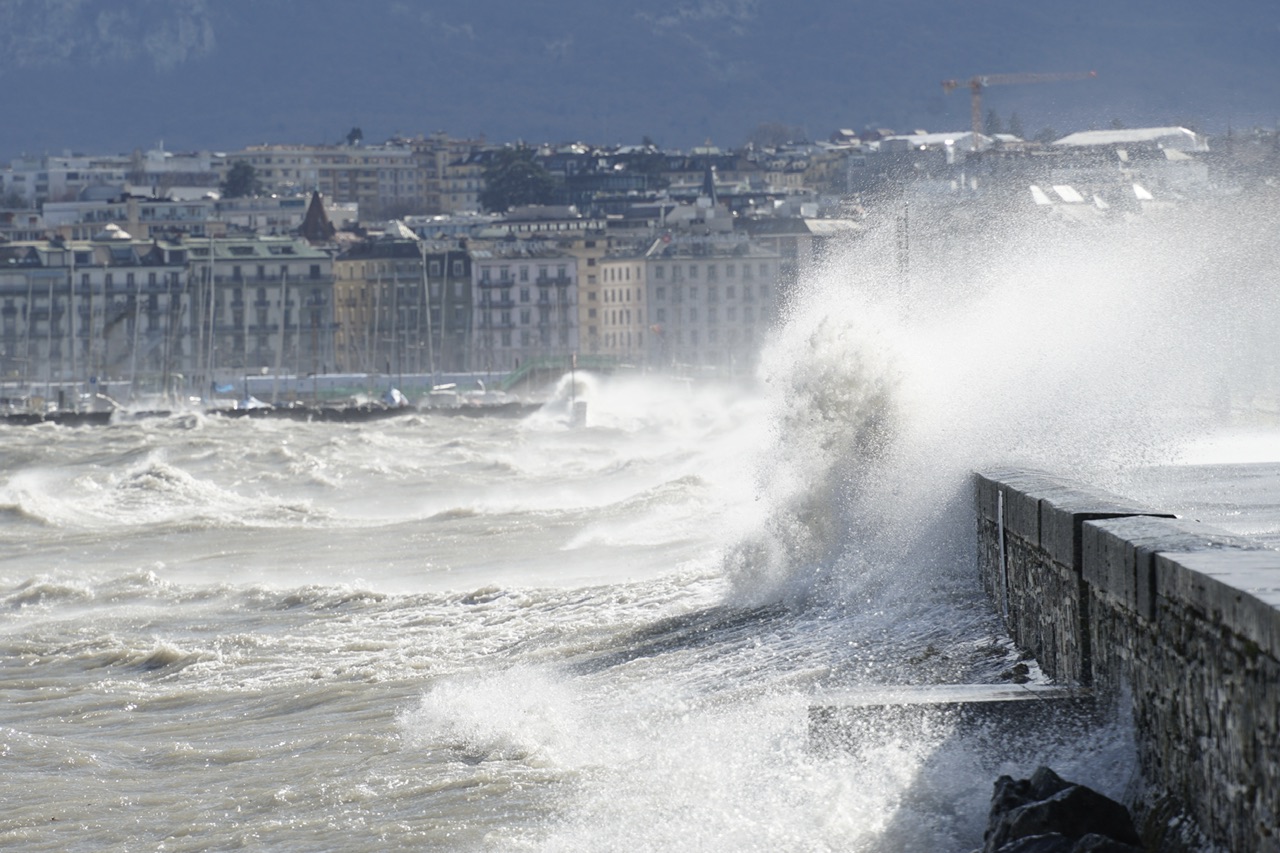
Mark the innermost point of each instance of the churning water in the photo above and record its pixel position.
(468, 634)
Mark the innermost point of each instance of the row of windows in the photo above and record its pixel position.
(407, 293)
(618, 316)
(620, 274)
(130, 280)
(526, 316)
(713, 293)
(712, 270)
(504, 273)
(623, 339)
(544, 296)
(526, 338)
(712, 315)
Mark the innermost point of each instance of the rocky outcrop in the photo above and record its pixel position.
(1046, 814)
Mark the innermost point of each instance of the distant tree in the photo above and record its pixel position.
(650, 163)
(647, 142)
(1047, 135)
(242, 180)
(513, 178)
(1015, 125)
(1117, 124)
(993, 124)
(13, 200)
(355, 136)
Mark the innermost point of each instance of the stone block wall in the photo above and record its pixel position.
(1181, 617)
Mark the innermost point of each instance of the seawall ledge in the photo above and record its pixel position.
(1182, 618)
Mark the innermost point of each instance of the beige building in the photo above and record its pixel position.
(617, 321)
(460, 183)
(452, 180)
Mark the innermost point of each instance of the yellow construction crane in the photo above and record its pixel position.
(977, 84)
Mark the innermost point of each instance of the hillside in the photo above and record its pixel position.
(111, 76)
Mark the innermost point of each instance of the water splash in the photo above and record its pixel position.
(1087, 351)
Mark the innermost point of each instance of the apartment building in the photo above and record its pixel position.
(383, 180)
(260, 304)
(617, 321)
(525, 304)
(402, 305)
(66, 177)
(710, 300)
(99, 313)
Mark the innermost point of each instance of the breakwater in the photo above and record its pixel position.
(1178, 618)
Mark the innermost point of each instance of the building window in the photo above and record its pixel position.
(434, 268)
(524, 294)
(660, 272)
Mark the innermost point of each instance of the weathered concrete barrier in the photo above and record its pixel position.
(1182, 617)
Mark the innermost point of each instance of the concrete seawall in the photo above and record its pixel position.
(1181, 618)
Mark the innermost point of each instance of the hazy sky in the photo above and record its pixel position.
(111, 75)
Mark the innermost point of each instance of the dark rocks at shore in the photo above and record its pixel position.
(1047, 814)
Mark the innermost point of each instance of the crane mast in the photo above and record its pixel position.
(982, 81)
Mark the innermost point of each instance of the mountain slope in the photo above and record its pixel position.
(107, 76)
